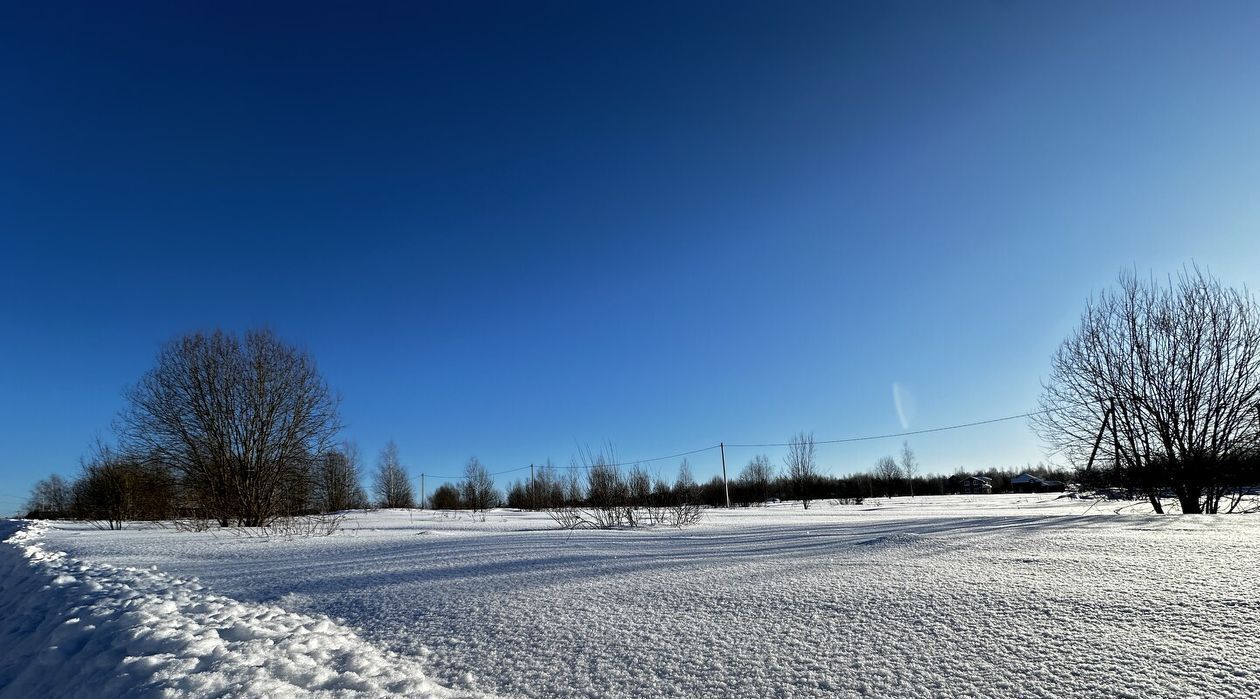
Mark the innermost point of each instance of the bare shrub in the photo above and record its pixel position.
(191, 524)
(300, 527)
(679, 515)
(616, 501)
(569, 517)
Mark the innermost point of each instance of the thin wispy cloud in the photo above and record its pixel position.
(903, 401)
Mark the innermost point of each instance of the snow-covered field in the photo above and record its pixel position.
(1028, 596)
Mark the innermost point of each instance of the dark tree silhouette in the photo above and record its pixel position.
(1175, 370)
(802, 470)
(235, 417)
(336, 479)
(477, 489)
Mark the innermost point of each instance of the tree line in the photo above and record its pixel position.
(595, 479)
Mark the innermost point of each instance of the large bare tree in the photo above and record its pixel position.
(237, 418)
(1173, 372)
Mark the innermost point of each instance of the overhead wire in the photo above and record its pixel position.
(843, 440)
(908, 433)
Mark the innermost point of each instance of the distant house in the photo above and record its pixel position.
(1028, 483)
(1025, 483)
(1053, 486)
(975, 485)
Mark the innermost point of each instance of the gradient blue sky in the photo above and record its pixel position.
(507, 229)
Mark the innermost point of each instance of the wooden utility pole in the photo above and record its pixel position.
(533, 490)
(725, 485)
(422, 491)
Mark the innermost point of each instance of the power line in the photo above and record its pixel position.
(909, 433)
(843, 440)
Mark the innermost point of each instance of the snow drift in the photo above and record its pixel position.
(76, 628)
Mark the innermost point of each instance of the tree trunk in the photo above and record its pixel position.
(1189, 498)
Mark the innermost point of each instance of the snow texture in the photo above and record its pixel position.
(75, 628)
(959, 596)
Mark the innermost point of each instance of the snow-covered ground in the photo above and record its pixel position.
(77, 628)
(1029, 596)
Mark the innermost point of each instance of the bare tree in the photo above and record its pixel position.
(391, 486)
(1173, 374)
(478, 489)
(639, 486)
(543, 491)
(685, 487)
(756, 477)
(548, 487)
(235, 417)
(909, 465)
(336, 477)
(115, 488)
(662, 493)
(888, 473)
(50, 498)
(573, 488)
(802, 470)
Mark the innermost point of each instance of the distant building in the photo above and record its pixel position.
(1028, 483)
(976, 485)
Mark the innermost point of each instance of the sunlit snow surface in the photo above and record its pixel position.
(1028, 596)
(87, 629)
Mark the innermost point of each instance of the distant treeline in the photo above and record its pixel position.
(596, 480)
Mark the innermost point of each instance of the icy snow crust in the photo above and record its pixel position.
(963, 596)
(75, 628)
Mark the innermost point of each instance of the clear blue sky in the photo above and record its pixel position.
(506, 229)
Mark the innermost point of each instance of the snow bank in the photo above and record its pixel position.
(75, 628)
